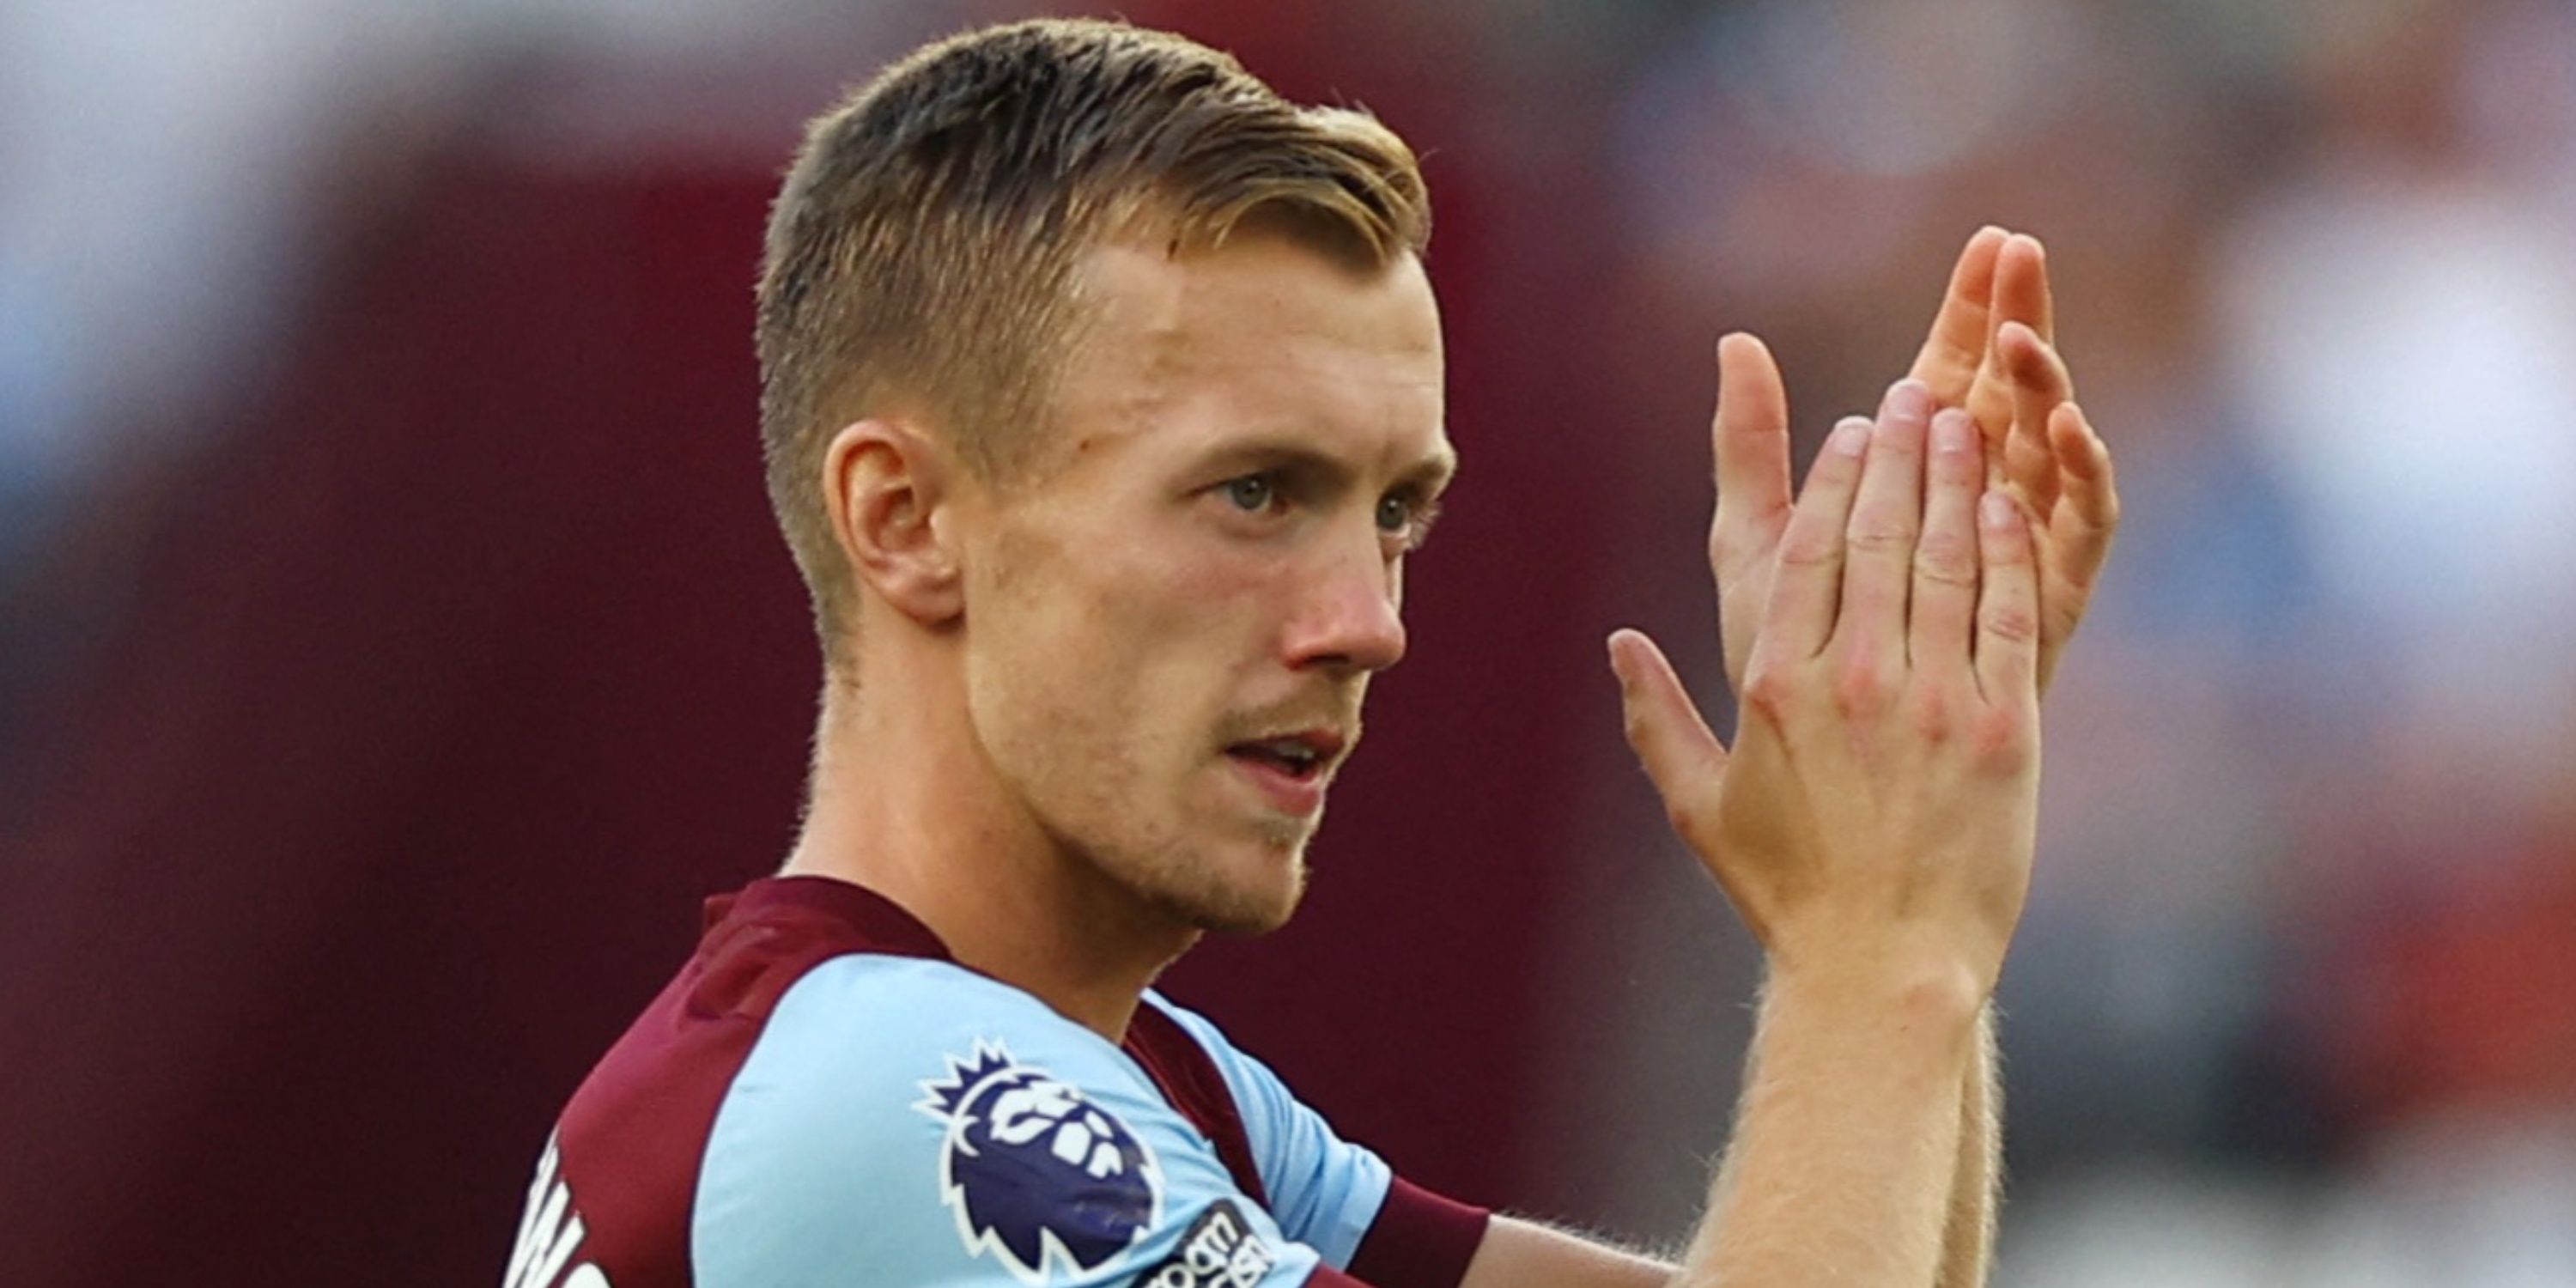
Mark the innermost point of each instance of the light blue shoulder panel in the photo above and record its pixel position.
(904, 1123)
(1324, 1191)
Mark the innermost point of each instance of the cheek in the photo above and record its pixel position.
(1219, 614)
(1178, 595)
(1134, 654)
(1183, 636)
(1147, 608)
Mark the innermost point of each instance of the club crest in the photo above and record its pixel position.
(1035, 1173)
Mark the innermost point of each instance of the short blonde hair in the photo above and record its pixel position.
(922, 249)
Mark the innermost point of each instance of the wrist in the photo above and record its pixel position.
(1925, 962)
(1937, 995)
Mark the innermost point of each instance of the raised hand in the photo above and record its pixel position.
(1991, 351)
(1880, 806)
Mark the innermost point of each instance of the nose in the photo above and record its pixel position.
(1350, 616)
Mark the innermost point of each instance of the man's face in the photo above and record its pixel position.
(1169, 631)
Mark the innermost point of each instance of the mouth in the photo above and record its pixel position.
(1291, 768)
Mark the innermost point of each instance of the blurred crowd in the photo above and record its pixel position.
(2295, 1000)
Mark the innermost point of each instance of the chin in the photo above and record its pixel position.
(1253, 895)
(1245, 919)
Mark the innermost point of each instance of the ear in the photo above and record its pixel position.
(884, 483)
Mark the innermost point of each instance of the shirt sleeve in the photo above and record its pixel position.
(1333, 1195)
(904, 1123)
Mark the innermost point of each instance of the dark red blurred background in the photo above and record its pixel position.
(470, 661)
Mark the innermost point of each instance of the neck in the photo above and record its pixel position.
(904, 803)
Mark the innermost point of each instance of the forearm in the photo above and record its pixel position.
(1967, 1247)
(1846, 1147)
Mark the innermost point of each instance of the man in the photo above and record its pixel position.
(1102, 402)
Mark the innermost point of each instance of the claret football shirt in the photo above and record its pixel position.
(823, 1097)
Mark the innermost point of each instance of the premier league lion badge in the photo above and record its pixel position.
(1035, 1173)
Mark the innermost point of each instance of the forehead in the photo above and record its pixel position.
(1262, 335)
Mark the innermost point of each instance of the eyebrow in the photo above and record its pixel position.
(1430, 474)
(1433, 473)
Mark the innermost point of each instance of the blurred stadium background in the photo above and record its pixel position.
(394, 646)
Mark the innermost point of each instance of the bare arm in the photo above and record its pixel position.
(1967, 1248)
(1524, 1254)
(1519, 1253)
(1534, 1255)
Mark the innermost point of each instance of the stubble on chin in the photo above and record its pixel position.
(1210, 894)
(1239, 913)
(1208, 872)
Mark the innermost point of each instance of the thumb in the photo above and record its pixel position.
(1682, 757)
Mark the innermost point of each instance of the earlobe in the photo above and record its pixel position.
(884, 485)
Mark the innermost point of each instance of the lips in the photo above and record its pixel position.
(1290, 769)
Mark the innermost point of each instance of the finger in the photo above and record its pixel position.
(1681, 756)
(1886, 518)
(1750, 442)
(1750, 437)
(2007, 604)
(1806, 589)
(1943, 618)
(2021, 295)
(1956, 346)
(2085, 473)
(2022, 292)
(2079, 533)
(2039, 385)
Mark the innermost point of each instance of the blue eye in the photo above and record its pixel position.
(1394, 514)
(1252, 493)
(1406, 517)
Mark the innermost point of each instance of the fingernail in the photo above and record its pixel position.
(1952, 432)
(1909, 400)
(1997, 511)
(1850, 437)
